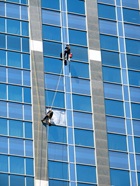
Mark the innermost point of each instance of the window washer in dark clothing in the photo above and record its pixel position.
(67, 54)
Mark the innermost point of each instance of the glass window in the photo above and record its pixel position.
(112, 91)
(3, 144)
(25, 28)
(13, 43)
(131, 4)
(107, 1)
(26, 61)
(3, 108)
(16, 146)
(29, 166)
(80, 86)
(132, 46)
(77, 37)
(116, 125)
(111, 74)
(84, 137)
(13, 26)
(2, 23)
(4, 177)
(25, 45)
(27, 112)
(17, 179)
(12, 78)
(3, 163)
(2, 9)
(14, 59)
(108, 27)
(28, 129)
(133, 62)
(137, 146)
(76, 21)
(89, 173)
(134, 78)
(57, 152)
(24, 12)
(52, 49)
(134, 94)
(15, 128)
(15, 110)
(28, 148)
(2, 74)
(24, 1)
(52, 65)
(26, 78)
(2, 41)
(10, 12)
(138, 162)
(3, 126)
(79, 6)
(57, 134)
(2, 57)
(27, 95)
(85, 155)
(85, 103)
(29, 181)
(3, 91)
(117, 142)
(132, 16)
(136, 127)
(58, 170)
(119, 177)
(129, 31)
(79, 69)
(58, 183)
(79, 53)
(109, 42)
(118, 160)
(15, 93)
(51, 32)
(19, 162)
(53, 18)
(50, 4)
(106, 11)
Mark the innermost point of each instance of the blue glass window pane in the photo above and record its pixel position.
(118, 160)
(89, 173)
(27, 95)
(19, 162)
(16, 146)
(58, 183)
(107, 1)
(79, 6)
(2, 41)
(80, 86)
(138, 177)
(132, 46)
(13, 43)
(3, 144)
(82, 120)
(29, 181)
(76, 21)
(85, 155)
(57, 134)
(15, 128)
(2, 74)
(136, 127)
(77, 37)
(3, 163)
(3, 126)
(134, 78)
(10, 12)
(14, 59)
(117, 142)
(83, 184)
(55, 99)
(79, 69)
(25, 45)
(4, 177)
(53, 18)
(50, 4)
(25, 28)
(17, 179)
(129, 31)
(24, 1)
(2, 57)
(85, 103)
(27, 112)
(29, 166)
(28, 130)
(131, 4)
(26, 78)
(111, 74)
(109, 42)
(3, 108)
(52, 49)
(119, 177)
(79, 53)
(2, 9)
(138, 162)
(137, 144)
(15, 93)
(15, 110)
(84, 137)
(3, 91)
(113, 107)
(54, 82)
(108, 27)
(2, 23)
(24, 12)
(57, 152)
(12, 78)
(13, 26)
(135, 94)
(58, 170)
(133, 62)
(26, 61)
(28, 148)
(106, 11)
(16, 1)
(116, 125)
(51, 32)
(52, 65)
(132, 16)
(112, 91)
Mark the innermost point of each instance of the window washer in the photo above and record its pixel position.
(67, 54)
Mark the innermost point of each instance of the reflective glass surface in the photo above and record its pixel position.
(105, 11)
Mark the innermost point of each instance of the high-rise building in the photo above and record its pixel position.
(94, 135)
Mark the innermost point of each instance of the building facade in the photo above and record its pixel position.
(94, 139)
